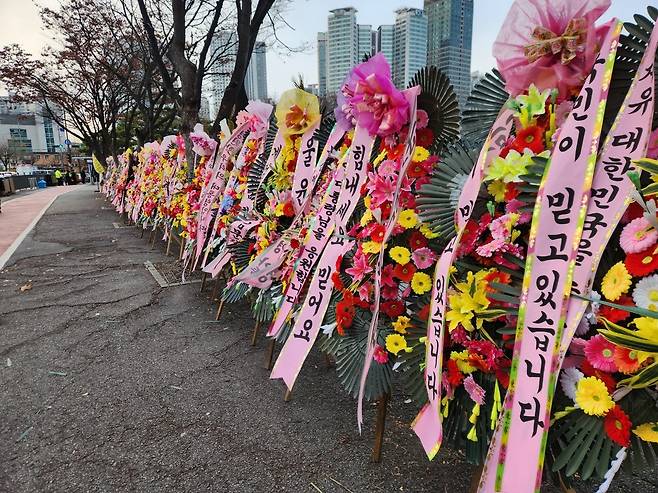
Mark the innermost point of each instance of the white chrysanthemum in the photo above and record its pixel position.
(645, 294)
(569, 381)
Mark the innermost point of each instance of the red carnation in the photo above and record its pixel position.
(404, 272)
(393, 308)
(615, 314)
(618, 426)
(417, 240)
(377, 233)
(642, 263)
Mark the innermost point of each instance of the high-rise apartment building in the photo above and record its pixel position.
(322, 64)
(409, 44)
(365, 41)
(342, 46)
(384, 41)
(449, 36)
(255, 81)
(224, 45)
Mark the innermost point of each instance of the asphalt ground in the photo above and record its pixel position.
(109, 382)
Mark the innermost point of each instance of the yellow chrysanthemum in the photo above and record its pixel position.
(371, 247)
(395, 343)
(647, 432)
(401, 324)
(399, 254)
(366, 201)
(616, 282)
(461, 358)
(408, 219)
(592, 397)
(420, 154)
(427, 232)
(421, 283)
(497, 190)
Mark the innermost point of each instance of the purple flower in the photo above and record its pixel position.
(369, 98)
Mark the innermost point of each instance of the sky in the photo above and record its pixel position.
(21, 24)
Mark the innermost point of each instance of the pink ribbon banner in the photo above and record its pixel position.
(611, 187)
(308, 322)
(555, 233)
(302, 183)
(428, 424)
(216, 184)
(409, 146)
(259, 271)
(342, 201)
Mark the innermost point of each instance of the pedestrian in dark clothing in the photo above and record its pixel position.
(83, 176)
(70, 178)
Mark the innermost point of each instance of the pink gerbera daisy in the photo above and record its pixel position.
(638, 235)
(601, 353)
(423, 257)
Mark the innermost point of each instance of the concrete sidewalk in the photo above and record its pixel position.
(20, 214)
(109, 382)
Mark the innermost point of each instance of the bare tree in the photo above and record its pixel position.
(75, 92)
(249, 23)
(7, 155)
(188, 55)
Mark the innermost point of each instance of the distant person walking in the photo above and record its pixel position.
(58, 176)
(83, 176)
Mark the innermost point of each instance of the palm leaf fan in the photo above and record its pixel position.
(438, 99)
(258, 168)
(629, 55)
(240, 254)
(482, 106)
(437, 200)
(235, 292)
(350, 358)
(579, 444)
(263, 307)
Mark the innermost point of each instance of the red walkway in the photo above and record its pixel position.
(19, 215)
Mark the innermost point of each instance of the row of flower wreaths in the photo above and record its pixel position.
(508, 277)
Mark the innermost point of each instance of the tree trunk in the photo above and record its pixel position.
(188, 120)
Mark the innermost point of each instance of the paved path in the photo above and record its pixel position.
(19, 214)
(109, 383)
